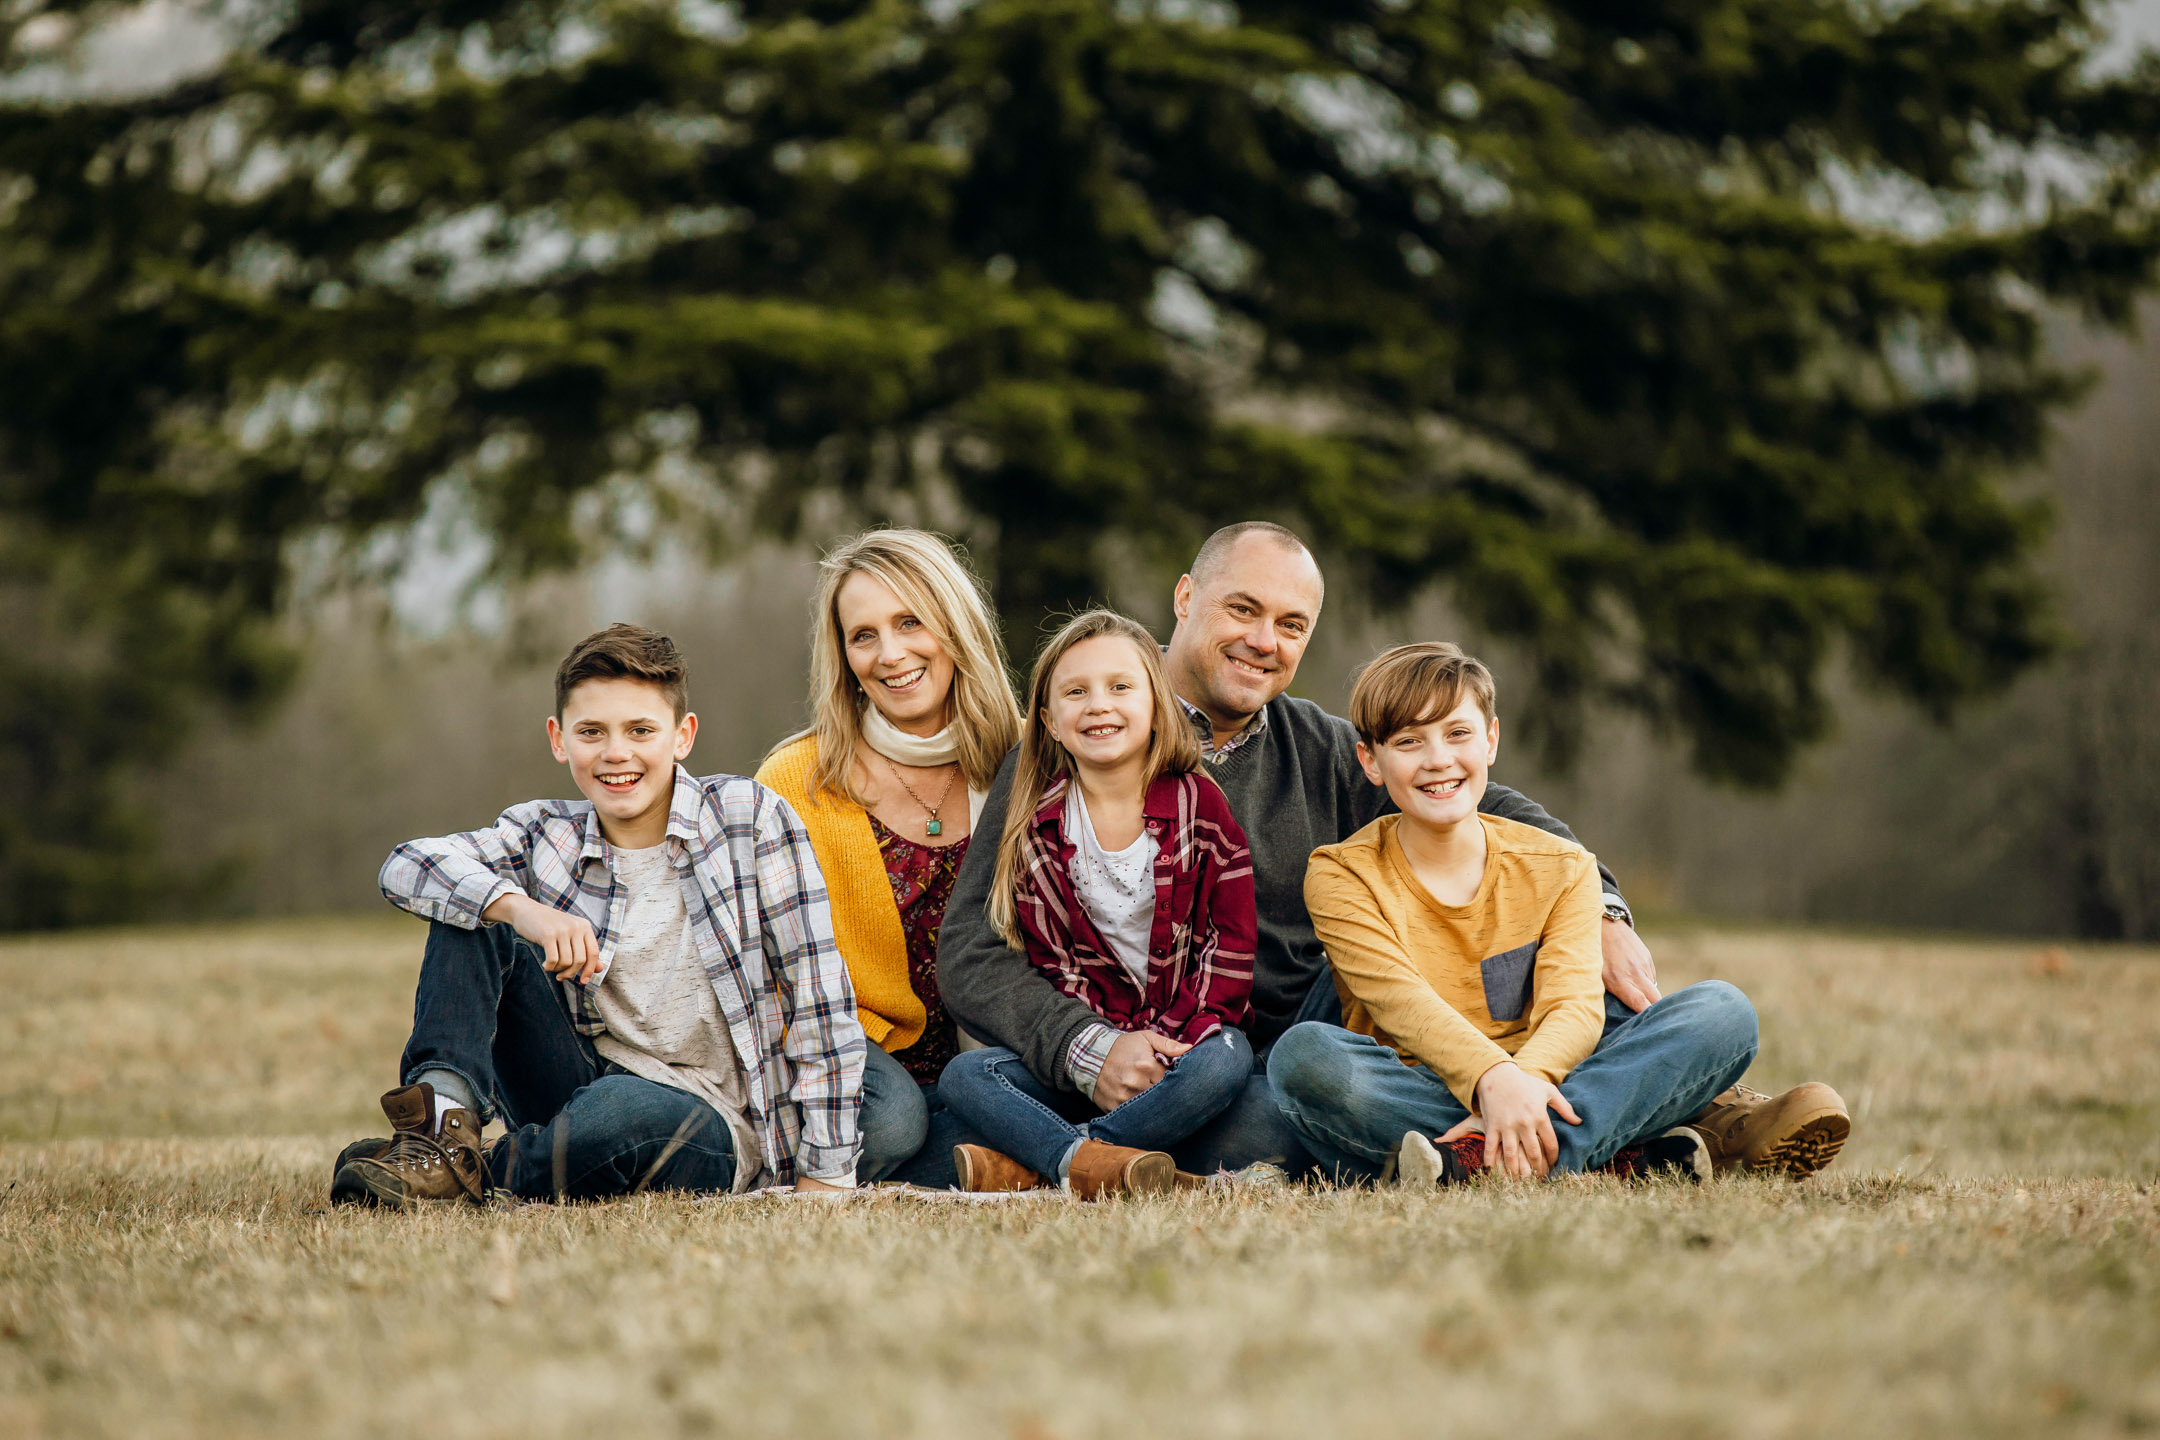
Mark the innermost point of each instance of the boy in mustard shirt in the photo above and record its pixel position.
(1466, 953)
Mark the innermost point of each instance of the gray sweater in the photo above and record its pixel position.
(1294, 787)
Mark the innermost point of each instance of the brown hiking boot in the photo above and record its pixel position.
(420, 1165)
(1796, 1133)
(984, 1171)
(358, 1150)
(1099, 1169)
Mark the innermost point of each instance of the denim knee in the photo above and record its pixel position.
(895, 1117)
(1719, 1013)
(614, 1135)
(1224, 1058)
(636, 1111)
(1308, 1065)
(497, 944)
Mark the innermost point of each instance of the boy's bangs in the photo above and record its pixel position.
(1413, 685)
(1413, 705)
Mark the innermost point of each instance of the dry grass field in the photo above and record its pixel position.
(1983, 1261)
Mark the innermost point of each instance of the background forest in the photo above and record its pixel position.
(1757, 384)
(2038, 814)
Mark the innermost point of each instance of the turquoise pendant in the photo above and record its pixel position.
(932, 827)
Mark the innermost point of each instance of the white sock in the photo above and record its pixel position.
(450, 1094)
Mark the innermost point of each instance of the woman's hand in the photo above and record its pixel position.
(1519, 1137)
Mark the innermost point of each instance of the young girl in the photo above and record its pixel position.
(1123, 876)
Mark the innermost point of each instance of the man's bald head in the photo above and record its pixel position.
(1216, 549)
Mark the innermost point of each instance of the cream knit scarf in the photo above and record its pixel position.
(924, 751)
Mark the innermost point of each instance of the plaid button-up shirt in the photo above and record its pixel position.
(1200, 949)
(758, 915)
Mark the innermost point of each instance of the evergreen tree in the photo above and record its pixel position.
(1687, 342)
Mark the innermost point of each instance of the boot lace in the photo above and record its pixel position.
(420, 1151)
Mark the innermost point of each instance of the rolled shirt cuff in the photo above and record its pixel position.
(828, 1164)
(1084, 1058)
(478, 893)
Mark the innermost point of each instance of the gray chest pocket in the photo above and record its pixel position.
(1508, 980)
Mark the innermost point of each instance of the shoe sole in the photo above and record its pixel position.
(1808, 1149)
(1152, 1174)
(349, 1190)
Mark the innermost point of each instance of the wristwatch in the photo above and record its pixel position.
(1616, 909)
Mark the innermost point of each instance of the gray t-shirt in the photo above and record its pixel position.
(663, 1019)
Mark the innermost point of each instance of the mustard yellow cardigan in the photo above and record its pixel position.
(866, 921)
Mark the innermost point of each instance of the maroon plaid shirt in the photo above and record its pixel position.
(1200, 952)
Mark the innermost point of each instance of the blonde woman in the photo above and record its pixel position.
(911, 715)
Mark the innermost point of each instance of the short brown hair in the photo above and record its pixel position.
(625, 652)
(1412, 684)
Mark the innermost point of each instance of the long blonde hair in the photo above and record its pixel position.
(1172, 750)
(934, 583)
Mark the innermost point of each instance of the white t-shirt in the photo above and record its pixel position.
(1116, 886)
(663, 1019)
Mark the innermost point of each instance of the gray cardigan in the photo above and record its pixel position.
(1294, 787)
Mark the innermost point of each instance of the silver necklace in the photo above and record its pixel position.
(933, 826)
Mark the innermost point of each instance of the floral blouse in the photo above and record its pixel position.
(922, 881)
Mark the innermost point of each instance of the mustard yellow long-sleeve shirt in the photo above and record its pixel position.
(1514, 974)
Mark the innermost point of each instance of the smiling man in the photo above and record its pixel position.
(642, 984)
(1245, 612)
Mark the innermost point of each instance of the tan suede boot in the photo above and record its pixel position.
(422, 1165)
(1797, 1132)
(984, 1171)
(1098, 1170)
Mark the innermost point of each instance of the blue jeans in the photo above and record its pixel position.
(613, 1133)
(908, 1132)
(1040, 1127)
(487, 1011)
(1253, 1130)
(1352, 1100)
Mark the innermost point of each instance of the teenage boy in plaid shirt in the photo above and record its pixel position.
(642, 985)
